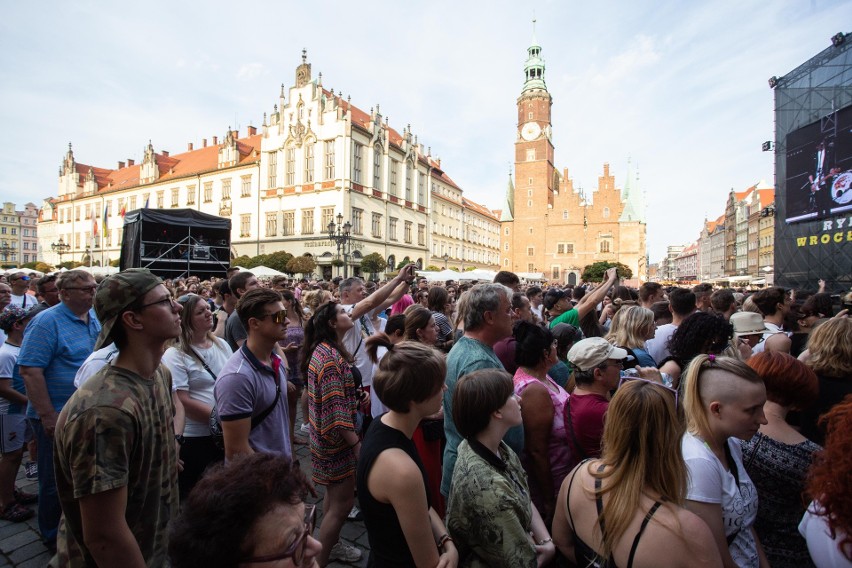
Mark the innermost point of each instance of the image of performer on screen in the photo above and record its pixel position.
(821, 180)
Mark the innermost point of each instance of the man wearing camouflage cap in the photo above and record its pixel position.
(116, 459)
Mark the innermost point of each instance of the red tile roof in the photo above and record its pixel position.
(173, 166)
(481, 209)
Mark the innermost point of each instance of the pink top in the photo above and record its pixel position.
(558, 451)
(401, 304)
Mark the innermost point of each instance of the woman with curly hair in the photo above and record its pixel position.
(827, 524)
(723, 401)
(635, 491)
(631, 327)
(777, 458)
(829, 354)
(250, 511)
(333, 403)
(701, 333)
(546, 456)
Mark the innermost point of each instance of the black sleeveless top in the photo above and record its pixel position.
(387, 541)
(585, 554)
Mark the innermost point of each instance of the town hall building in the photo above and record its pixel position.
(547, 226)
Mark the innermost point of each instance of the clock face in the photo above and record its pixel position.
(531, 131)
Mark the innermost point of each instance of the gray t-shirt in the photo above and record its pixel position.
(245, 388)
(234, 331)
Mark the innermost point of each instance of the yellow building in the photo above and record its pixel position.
(547, 226)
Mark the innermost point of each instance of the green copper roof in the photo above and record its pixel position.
(634, 209)
(534, 67)
(508, 213)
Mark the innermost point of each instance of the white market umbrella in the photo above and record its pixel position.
(265, 271)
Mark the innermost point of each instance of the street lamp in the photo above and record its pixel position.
(5, 249)
(340, 234)
(446, 257)
(60, 248)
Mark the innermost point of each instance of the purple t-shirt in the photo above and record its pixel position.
(246, 387)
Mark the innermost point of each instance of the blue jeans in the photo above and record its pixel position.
(49, 508)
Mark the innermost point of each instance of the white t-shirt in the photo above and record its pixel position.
(356, 336)
(24, 301)
(824, 550)
(377, 407)
(8, 358)
(94, 363)
(710, 482)
(658, 347)
(189, 374)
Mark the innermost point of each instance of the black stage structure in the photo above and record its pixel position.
(176, 243)
(813, 170)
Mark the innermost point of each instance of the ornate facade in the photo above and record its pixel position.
(315, 156)
(549, 227)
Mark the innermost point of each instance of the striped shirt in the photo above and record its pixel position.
(58, 342)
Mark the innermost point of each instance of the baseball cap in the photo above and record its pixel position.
(591, 352)
(12, 315)
(748, 323)
(552, 297)
(116, 293)
(565, 333)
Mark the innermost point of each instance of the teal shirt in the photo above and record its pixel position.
(466, 356)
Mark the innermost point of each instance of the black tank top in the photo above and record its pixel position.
(585, 554)
(387, 541)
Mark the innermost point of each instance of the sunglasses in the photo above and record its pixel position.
(24, 278)
(655, 383)
(296, 550)
(277, 317)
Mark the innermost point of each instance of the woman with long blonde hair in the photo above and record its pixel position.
(829, 355)
(625, 508)
(631, 327)
(723, 401)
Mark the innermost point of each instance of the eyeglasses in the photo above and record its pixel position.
(90, 289)
(277, 317)
(655, 383)
(24, 278)
(168, 300)
(296, 550)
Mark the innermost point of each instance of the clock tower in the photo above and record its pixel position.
(536, 179)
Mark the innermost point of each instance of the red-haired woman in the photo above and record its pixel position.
(777, 458)
(827, 524)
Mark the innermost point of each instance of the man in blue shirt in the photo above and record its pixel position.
(57, 342)
(487, 311)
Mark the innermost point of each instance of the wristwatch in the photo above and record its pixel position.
(180, 439)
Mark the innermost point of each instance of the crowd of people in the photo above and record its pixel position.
(467, 424)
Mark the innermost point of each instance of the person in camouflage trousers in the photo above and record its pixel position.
(115, 451)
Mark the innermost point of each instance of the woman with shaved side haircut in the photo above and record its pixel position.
(723, 401)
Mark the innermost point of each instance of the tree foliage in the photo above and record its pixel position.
(432, 268)
(373, 263)
(241, 261)
(595, 272)
(403, 263)
(43, 267)
(280, 261)
(69, 264)
(301, 265)
(116, 263)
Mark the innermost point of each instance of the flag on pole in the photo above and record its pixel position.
(94, 225)
(123, 211)
(146, 202)
(106, 223)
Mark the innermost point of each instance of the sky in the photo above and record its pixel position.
(679, 88)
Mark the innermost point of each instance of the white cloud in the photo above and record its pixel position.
(249, 71)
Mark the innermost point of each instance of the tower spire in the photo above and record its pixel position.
(534, 67)
(508, 213)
